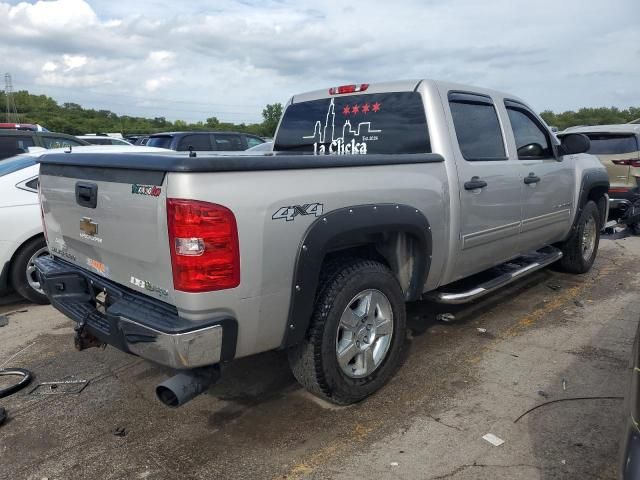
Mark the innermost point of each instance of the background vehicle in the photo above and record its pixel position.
(618, 148)
(204, 141)
(414, 186)
(23, 126)
(630, 445)
(103, 140)
(13, 142)
(21, 237)
(262, 147)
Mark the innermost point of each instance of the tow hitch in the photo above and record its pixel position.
(83, 339)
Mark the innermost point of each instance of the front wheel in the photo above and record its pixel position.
(357, 334)
(580, 249)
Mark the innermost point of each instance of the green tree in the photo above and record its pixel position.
(271, 115)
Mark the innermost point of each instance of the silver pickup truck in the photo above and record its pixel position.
(375, 195)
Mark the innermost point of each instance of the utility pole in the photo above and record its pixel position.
(12, 112)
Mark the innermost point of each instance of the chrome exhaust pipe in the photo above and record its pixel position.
(179, 389)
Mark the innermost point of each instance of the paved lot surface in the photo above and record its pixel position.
(549, 337)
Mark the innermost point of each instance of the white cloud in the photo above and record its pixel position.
(49, 67)
(74, 61)
(161, 56)
(229, 59)
(153, 84)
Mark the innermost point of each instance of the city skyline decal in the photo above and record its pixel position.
(326, 141)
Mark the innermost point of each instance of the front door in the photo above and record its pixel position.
(489, 186)
(548, 181)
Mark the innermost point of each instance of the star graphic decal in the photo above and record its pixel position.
(365, 108)
(355, 109)
(376, 107)
(346, 110)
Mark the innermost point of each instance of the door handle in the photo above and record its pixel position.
(474, 184)
(532, 178)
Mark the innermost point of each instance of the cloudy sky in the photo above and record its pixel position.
(191, 60)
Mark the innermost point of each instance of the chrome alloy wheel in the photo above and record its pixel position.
(364, 333)
(589, 234)
(32, 278)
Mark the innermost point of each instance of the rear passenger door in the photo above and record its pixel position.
(489, 185)
(547, 182)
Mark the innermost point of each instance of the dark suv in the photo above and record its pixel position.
(13, 142)
(204, 141)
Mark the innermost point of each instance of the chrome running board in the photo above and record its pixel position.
(506, 273)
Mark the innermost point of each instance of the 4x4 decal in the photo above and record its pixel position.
(289, 213)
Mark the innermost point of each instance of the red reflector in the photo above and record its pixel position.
(348, 89)
(203, 238)
(630, 162)
(619, 189)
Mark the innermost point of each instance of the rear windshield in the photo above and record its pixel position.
(163, 141)
(356, 124)
(605, 144)
(14, 164)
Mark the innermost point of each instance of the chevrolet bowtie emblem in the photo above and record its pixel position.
(88, 227)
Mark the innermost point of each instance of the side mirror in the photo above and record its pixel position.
(531, 150)
(574, 143)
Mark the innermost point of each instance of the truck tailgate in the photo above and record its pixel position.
(111, 222)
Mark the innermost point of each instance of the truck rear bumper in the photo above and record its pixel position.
(133, 322)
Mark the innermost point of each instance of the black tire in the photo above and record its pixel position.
(634, 228)
(573, 259)
(314, 361)
(18, 273)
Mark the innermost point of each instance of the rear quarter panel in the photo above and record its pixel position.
(269, 247)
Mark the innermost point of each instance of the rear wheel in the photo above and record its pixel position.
(357, 334)
(23, 271)
(580, 249)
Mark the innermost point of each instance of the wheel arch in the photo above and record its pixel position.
(593, 186)
(398, 235)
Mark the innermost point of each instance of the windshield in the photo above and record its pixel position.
(356, 124)
(16, 163)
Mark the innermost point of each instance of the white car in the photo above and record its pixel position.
(21, 237)
(103, 140)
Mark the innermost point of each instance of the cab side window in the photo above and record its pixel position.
(477, 127)
(532, 142)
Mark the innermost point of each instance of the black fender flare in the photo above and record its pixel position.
(344, 228)
(592, 179)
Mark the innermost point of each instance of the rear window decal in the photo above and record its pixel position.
(325, 136)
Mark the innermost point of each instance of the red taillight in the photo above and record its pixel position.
(630, 162)
(203, 238)
(348, 89)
